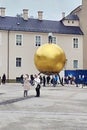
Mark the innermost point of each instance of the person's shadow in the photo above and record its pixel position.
(10, 101)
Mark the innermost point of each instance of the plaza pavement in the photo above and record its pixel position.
(58, 108)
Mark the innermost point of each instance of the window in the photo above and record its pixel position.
(72, 21)
(18, 62)
(19, 40)
(75, 42)
(37, 40)
(54, 40)
(75, 63)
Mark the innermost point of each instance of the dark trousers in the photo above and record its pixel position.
(38, 90)
(25, 93)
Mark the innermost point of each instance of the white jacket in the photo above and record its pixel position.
(37, 81)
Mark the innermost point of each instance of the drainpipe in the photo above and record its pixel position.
(8, 58)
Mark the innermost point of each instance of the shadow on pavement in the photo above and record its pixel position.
(10, 101)
(1, 93)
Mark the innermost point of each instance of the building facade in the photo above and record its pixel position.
(81, 12)
(20, 37)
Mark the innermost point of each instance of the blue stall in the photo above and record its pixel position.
(79, 75)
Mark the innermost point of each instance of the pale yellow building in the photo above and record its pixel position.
(81, 12)
(20, 37)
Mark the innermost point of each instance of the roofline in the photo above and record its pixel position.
(40, 32)
(78, 9)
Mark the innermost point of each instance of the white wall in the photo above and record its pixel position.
(71, 22)
(27, 51)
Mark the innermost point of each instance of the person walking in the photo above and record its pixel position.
(0, 80)
(3, 79)
(32, 79)
(44, 81)
(26, 85)
(48, 80)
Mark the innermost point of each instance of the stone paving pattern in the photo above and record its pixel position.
(58, 108)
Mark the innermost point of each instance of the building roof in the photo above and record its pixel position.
(35, 25)
(71, 17)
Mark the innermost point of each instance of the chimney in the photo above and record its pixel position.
(2, 11)
(25, 14)
(40, 15)
(63, 14)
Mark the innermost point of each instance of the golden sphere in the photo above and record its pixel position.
(49, 58)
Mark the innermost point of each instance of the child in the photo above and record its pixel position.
(26, 84)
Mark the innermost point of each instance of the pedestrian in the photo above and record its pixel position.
(40, 79)
(26, 84)
(48, 80)
(3, 79)
(44, 81)
(0, 80)
(53, 81)
(21, 79)
(37, 85)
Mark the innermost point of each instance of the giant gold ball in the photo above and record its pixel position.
(49, 58)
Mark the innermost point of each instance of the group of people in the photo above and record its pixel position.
(46, 80)
(38, 81)
(69, 80)
(27, 82)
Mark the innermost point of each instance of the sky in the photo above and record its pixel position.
(52, 9)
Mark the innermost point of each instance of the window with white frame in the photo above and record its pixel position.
(37, 40)
(54, 40)
(75, 64)
(18, 39)
(75, 42)
(18, 61)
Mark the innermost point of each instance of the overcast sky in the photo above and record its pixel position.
(52, 9)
